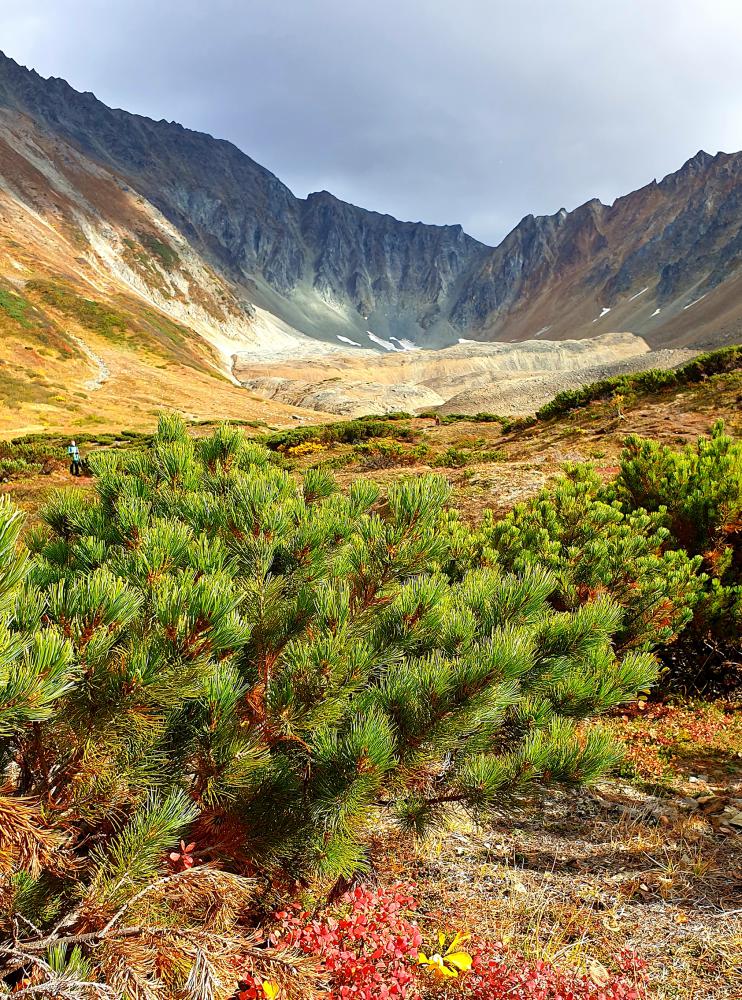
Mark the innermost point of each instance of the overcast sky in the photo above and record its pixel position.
(470, 111)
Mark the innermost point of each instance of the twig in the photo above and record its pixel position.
(196, 870)
(29, 923)
(69, 988)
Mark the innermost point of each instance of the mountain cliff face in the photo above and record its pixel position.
(647, 259)
(320, 263)
(664, 262)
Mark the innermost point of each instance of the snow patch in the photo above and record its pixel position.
(655, 313)
(604, 312)
(639, 293)
(382, 343)
(347, 340)
(544, 329)
(406, 345)
(694, 301)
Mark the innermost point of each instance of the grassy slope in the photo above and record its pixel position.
(152, 362)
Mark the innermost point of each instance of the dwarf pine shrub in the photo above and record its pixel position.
(593, 548)
(726, 359)
(698, 492)
(662, 540)
(209, 651)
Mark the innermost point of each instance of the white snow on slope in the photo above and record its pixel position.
(639, 293)
(604, 312)
(347, 340)
(544, 329)
(694, 301)
(655, 313)
(382, 343)
(406, 345)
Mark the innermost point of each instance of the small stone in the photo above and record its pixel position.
(711, 808)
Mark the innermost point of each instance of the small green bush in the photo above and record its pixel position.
(698, 489)
(713, 363)
(594, 549)
(342, 432)
(453, 458)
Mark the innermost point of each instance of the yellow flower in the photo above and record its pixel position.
(271, 989)
(451, 962)
(436, 965)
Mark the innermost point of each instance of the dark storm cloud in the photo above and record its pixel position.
(474, 111)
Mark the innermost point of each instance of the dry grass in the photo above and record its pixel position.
(580, 875)
(577, 882)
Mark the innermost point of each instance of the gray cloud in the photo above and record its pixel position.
(477, 111)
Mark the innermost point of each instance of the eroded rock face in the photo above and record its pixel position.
(331, 270)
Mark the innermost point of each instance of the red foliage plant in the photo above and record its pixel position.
(503, 978)
(368, 946)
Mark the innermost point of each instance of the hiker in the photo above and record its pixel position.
(74, 452)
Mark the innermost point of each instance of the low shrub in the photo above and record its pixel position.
(13, 468)
(594, 549)
(342, 432)
(305, 448)
(367, 944)
(505, 977)
(713, 363)
(453, 458)
(664, 540)
(383, 453)
(698, 492)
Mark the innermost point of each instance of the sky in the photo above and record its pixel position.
(475, 112)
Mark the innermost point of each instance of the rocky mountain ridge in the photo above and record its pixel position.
(333, 273)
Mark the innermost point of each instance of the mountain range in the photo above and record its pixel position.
(188, 251)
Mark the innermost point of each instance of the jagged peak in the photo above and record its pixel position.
(322, 195)
(693, 167)
(701, 159)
